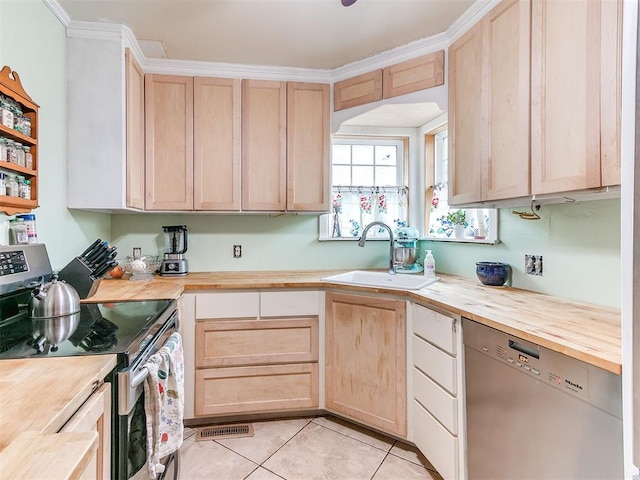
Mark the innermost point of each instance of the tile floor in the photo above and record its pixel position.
(322, 448)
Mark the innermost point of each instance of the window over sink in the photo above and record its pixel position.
(369, 183)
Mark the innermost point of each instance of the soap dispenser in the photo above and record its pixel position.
(429, 265)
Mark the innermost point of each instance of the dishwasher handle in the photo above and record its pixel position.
(526, 349)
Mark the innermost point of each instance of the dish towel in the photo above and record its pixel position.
(164, 402)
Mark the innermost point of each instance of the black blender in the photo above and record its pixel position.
(175, 246)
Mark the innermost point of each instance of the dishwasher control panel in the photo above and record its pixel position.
(576, 378)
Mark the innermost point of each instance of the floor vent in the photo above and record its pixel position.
(224, 431)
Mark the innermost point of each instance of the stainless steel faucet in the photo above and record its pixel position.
(363, 239)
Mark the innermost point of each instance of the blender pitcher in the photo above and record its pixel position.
(175, 246)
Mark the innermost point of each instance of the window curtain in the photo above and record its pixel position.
(354, 208)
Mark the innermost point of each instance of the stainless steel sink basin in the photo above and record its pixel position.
(381, 279)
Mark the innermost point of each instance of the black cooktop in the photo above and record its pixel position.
(99, 328)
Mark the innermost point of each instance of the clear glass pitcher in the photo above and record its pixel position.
(175, 239)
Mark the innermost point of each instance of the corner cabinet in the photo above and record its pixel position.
(366, 360)
(11, 87)
(528, 117)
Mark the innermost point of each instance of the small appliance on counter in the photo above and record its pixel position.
(405, 250)
(175, 246)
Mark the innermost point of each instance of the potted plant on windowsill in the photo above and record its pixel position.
(458, 219)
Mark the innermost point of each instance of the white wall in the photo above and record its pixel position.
(33, 43)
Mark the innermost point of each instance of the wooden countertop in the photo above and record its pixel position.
(34, 456)
(587, 332)
(41, 394)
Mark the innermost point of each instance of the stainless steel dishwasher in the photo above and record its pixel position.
(533, 413)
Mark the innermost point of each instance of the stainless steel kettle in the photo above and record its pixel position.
(54, 299)
(54, 308)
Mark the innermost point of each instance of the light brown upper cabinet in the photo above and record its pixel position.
(416, 74)
(169, 142)
(308, 147)
(135, 132)
(216, 144)
(505, 87)
(405, 77)
(264, 145)
(465, 117)
(354, 91)
(285, 146)
(489, 107)
(575, 95)
(193, 143)
(538, 111)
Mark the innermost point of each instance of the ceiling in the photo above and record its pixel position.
(316, 34)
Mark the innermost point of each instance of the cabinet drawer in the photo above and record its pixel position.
(228, 305)
(282, 304)
(254, 342)
(435, 363)
(436, 443)
(256, 389)
(435, 328)
(437, 401)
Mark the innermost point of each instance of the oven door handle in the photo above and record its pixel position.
(139, 376)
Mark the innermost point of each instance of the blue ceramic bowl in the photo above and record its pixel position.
(493, 273)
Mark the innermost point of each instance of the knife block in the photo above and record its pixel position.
(78, 275)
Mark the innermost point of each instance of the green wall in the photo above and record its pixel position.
(33, 43)
(580, 244)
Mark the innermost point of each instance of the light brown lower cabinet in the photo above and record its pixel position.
(256, 365)
(95, 416)
(366, 360)
(223, 391)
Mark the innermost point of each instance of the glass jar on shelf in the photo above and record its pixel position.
(6, 113)
(12, 186)
(3, 149)
(3, 184)
(27, 126)
(22, 187)
(20, 155)
(28, 157)
(12, 152)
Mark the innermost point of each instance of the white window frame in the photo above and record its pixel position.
(440, 180)
(402, 178)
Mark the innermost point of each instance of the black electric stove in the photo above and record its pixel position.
(103, 328)
(132, 330)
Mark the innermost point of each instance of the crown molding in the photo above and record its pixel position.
(232, 70)
(393, 56)
(469, 18)
(109, 31)
(58, 11)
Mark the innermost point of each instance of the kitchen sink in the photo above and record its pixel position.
(381, 279)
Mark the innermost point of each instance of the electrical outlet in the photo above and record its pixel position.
(237, 251)
(533, 265)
